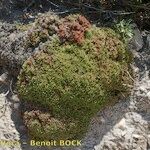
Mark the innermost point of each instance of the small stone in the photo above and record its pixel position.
(136, 69)
(2, 126)
(148, 95)
(12, 125)
(121, 124)
(16, 106)
(3, 77)
(136, 136)
(143, 89)
(15, 98)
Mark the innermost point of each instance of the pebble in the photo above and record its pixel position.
(143, 89)
(148, 95)
(3, 77)
(15, 98)
(16, 106)
(121, 124)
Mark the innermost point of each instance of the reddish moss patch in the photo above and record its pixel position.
(73, 28)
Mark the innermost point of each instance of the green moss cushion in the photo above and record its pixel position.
(68, 83)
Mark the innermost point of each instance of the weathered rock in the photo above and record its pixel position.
(12, 51)
(137, 40)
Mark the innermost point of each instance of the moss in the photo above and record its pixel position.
(43, 28)
(23, 27)
(72, 28)
(43, 125)
(72, 82)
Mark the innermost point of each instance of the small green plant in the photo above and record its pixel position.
(124, 28)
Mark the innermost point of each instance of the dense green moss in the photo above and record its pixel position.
(72, 82)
